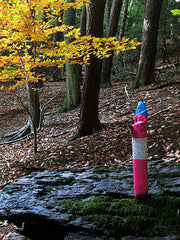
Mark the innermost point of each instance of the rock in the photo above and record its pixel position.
(15, 236)
(72, 203)
(173, 237)
(83, 236)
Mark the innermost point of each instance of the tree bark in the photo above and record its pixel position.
(108, 13)
(146, 65)
(124, 19)
(33, 98)
(34, 111)
(58, 36)
(83, 22)
(112, 29)
(89, 119)
(73, 71)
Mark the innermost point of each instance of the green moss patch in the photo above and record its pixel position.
(100, 169)
(150, 217)
(119, 217)
(165, 175)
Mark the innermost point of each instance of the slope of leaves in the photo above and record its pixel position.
(111, 146)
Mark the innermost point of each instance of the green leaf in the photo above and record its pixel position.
(175, 12)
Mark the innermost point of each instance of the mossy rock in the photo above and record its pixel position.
(165, 175)
(101, 169)
(149, 217)
(120, 217)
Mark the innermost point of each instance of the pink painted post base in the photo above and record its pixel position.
(140, 178)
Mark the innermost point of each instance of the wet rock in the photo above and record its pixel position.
(15, 236)
(65, 198)
(173, 237)
(83, 236)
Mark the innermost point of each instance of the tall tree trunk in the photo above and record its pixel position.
(112, 29)
(34, 111)
(83, 22)
(83, 33)
(73, 71)
(146, 65)
(89, 119)
(124, 19)
(33, 98)
(108, 13)
(32, 91)
(165, 34)
(58, 36)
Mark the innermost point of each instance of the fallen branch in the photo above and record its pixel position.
(165, 110)
(127, 95)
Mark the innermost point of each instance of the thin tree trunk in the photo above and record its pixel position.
(146, 66)
(58, 36)
(73, 71)
(34, 111)
(83, 22)
(83, 33)
(124, 19)
(112, 29)
(165, 36)
(108, 13)
(33, 97)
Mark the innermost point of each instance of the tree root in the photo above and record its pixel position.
(59, 110)
(19, 135)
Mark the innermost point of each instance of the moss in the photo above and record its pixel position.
(164, 175)
(97, 205)
(119, 217)
(126, 207)
(150, 217)
(70, 205)
(174, 164)
(101, 169)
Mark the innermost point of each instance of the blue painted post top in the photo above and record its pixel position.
(141, 109)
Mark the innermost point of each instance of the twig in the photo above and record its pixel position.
(43, 107)
(125, 88)
(152, 115)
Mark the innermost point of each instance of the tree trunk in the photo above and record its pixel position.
(83, 22)
(124, 19)
(34, 105)
(34, 112)
(89, 119)
(73, 71)
(146, 65)
(58, 36)
(165, 32)
(108, 13)
(112, 29)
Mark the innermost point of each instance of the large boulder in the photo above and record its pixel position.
(95, 202)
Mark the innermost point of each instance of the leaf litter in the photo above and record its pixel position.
(110, 147)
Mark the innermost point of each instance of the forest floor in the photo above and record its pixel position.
(111, 146)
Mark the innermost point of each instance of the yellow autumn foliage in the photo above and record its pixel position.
(26, 39)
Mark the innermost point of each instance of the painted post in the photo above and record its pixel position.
(139, 146)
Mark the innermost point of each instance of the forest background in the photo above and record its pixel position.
(58, 103)
(117, 101)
